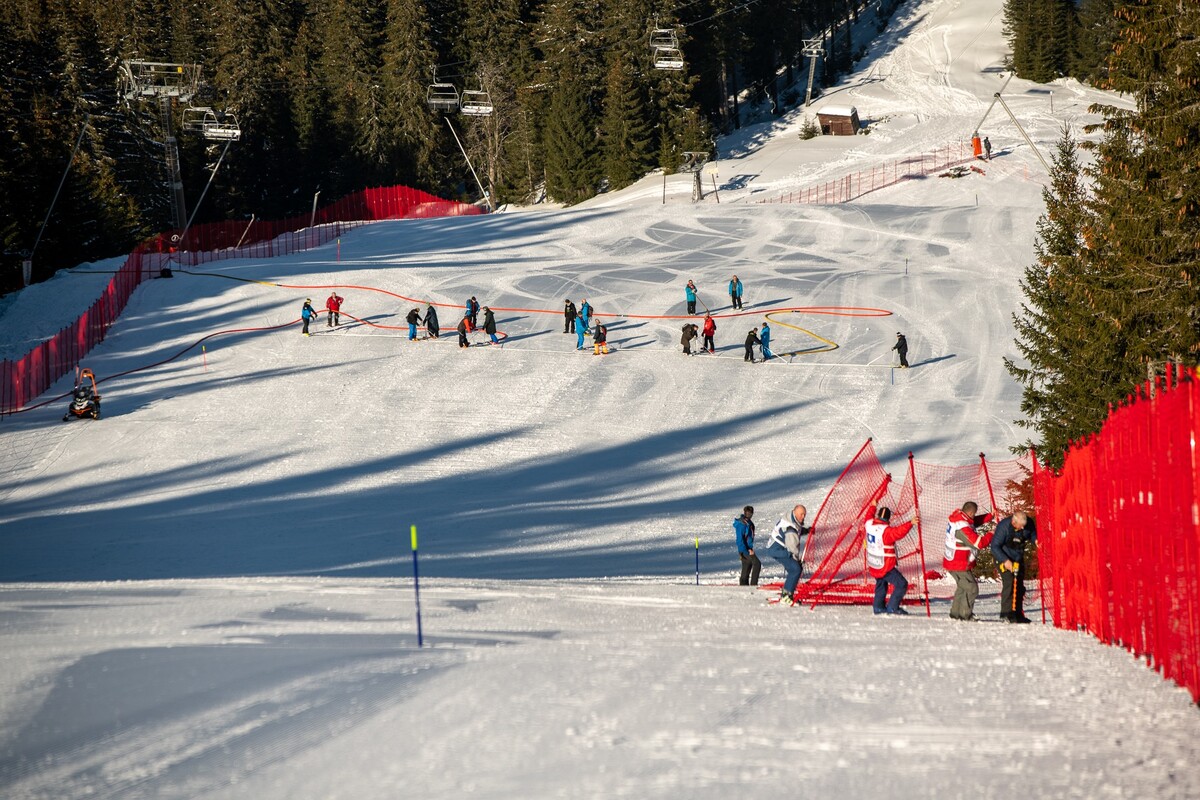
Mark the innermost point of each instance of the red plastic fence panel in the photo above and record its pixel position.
(1120, 530)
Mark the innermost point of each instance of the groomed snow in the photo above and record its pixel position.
(208, 593)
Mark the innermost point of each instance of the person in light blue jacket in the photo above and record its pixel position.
(689, 293)
(735, 292)
(585, 315)
(743, 531)
(765, 338)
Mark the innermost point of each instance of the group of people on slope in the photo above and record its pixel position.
(963, 543)
(333, 309)
(579, 322)
(691, 295)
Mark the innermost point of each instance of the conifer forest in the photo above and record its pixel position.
(334, 96)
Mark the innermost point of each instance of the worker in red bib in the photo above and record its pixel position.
(881, 559)
(962, 547)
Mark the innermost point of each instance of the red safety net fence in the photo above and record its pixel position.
(851, 187)
(1119, 530)
(928, 494)
(25, 378)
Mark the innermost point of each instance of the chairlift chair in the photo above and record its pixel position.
(668, 58)
(476, 103)
(193, 118)
(221, 127)
(442, 97)
(663, 37)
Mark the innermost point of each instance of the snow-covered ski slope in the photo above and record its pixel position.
(208, 593)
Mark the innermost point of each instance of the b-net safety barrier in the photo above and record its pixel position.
(1119, 530)
(927, 495)
(25, 378)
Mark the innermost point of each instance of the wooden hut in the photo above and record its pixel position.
(838, 120)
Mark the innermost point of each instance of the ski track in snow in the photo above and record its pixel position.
(208, 593)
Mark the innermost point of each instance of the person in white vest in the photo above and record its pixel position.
(962, 547)
(881, 559)
(785, 548)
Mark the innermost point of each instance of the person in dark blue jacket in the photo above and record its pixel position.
(1008, 549)
(743, 530)
(689, 294)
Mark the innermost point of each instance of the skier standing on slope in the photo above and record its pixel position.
(431, 322)
(962, 547)
(569, 315)
(743, 532)
(735, 292)
(473, 312)
(307, 314)
(785, 548)
(585, 317)
(689, 293)
(412, 319)
(765, 338)
(881, 559)
(709, 330)
(489, 324)
(333, 307)
(987, 149)
(901, 348)
(751, 340)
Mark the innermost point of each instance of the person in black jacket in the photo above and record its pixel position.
(489, 324)
(599, 340)
(431, 322)
(751, 340)
(901, 348)
(1008, 550)
(569, 315)
(412, 319)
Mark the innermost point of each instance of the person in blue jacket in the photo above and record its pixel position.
(743, 531)
(735, 292)
(689, 293)
(307, 314)
(764, 337)
(785, 547)
(473, 312)
(585, 315)
(1008, 550)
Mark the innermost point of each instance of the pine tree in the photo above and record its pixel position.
(626, 139)
(412, 131)
(1061, 336)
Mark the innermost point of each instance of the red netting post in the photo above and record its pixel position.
(912, 476)
(988, 479)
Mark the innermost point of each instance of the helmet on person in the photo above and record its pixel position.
(884, 514)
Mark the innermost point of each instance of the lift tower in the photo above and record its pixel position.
(145, 80)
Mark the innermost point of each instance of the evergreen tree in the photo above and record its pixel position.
(1061, 336)
(412, 132)
(626, 140)
(1095, 32)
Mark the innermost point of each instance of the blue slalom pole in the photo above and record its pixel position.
(697, 560)
(417, 586)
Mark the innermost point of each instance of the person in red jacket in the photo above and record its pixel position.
(709, 331)
(333, 305)
(962, 547)
(881, 559)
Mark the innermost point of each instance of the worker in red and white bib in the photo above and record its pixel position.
(962, 547)
(881, 541)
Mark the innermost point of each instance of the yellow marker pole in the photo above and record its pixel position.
(417, 587)
(204, 353)
(697, 560)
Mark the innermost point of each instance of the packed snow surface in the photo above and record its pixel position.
(209, 592)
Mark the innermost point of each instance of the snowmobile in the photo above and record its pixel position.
(85, 401)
